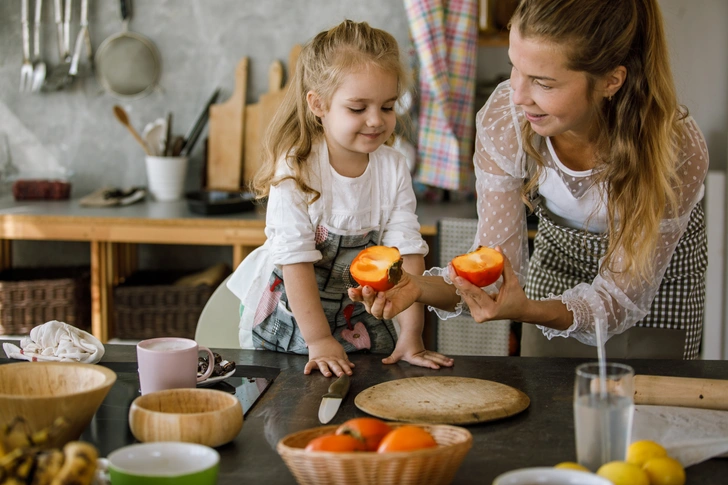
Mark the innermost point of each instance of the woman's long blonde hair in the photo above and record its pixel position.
(321, 68)
(638, 130)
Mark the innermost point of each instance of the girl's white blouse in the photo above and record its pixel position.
(612, 301)
(381, 196)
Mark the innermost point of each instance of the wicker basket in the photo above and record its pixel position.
(433, 466)
(149, 305)
(32, 296)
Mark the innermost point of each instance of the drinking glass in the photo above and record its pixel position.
(603, 412)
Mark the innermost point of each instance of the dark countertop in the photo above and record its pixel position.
(542, 435)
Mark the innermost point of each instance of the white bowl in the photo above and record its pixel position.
(549, 476)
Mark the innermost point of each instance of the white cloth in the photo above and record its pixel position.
(58, 342)
(382, 197)
(690, 435)
(501, 167)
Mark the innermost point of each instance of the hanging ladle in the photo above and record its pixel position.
(124, 120)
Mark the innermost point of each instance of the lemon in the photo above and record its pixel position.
(664, 470)
(570, 465)
(623, 473)
(641, 451)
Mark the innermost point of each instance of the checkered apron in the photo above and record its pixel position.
(564, 257)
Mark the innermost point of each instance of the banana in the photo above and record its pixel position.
(9, 462)
(49, 463)
(79, 465)
(12, 481)
(22, 462)
(15, 435)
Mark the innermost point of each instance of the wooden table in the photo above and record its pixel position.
(542, 435)
(114, 232)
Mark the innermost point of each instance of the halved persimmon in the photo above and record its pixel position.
(481, 267)
(335, 442)
(406, 438)
(379, 267)
(366, 429)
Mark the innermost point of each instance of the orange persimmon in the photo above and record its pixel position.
(406, 438)
(366, 429)
(335, 442)
(379, 267)
(481, 267)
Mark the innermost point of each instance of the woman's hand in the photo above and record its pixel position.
(413, 350)
(509, 303)
(386, 305)
(327, 355)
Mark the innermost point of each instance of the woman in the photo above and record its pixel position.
(589, 134)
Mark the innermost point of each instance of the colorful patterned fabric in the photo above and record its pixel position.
(445, 35)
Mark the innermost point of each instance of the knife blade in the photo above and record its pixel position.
(331, 401)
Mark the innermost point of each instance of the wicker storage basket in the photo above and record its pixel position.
(149, 305)
(32, 296)
(433, 466)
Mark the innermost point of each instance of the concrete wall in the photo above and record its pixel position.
(200, 43)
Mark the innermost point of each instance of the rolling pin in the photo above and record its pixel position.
(681, 391)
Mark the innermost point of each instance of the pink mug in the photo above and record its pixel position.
(170, 363)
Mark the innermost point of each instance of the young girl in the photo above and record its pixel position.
(589, 132)
(333, 189)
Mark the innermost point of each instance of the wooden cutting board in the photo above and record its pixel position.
(441, 400)
(259, 115)
(226, 136)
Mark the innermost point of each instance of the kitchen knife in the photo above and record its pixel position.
(332, 400)
(681, 391)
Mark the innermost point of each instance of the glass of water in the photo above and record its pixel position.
(603, 412)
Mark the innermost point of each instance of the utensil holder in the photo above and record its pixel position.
(166, 177)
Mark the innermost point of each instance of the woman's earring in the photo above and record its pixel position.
(609, 98)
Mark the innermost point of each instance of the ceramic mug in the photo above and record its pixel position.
(163, 463)
(170, 363)
(549, 476)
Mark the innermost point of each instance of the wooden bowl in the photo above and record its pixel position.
(203, 416)
(434, 466)
(40, 392)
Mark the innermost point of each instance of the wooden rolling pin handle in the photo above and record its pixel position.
(681, 391)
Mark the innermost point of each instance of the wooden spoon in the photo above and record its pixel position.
(124, 120)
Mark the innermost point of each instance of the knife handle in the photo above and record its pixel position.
(339, 387)
(681, 391)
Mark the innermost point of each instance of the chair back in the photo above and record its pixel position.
(462, 335)
(217, 326)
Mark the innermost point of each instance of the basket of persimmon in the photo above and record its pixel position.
(369, 450)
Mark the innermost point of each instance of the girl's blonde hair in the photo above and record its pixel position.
(321, 68)
(638, 130)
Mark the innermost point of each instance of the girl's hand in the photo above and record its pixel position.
(386, 305)
(328, 356)
(415, 353)
(506, 304)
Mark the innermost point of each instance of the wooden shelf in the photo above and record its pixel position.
(493, 39)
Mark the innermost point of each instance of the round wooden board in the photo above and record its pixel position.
(441, 400)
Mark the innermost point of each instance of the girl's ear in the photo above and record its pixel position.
(614, 81)
(315, 104)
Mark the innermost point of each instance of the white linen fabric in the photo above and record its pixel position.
(57, 342)
(501, 167)
(347, 206)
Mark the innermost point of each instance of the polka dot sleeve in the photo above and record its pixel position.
(613, 302)
(500, 170)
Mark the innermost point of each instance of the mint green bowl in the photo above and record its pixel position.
(164, 463)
